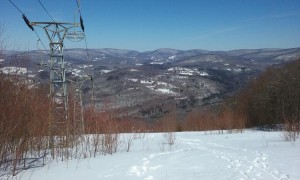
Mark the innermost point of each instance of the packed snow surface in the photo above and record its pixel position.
(195, 155)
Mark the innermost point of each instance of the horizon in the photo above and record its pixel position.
(143, 26)
(107, 48)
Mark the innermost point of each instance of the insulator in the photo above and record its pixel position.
(27, 22)
(81, 24)
(75, 36)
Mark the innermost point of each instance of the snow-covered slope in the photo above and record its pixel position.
(195, 155)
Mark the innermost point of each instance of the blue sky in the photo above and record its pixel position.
(151, 24)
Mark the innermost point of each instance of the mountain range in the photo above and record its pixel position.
(151, 84)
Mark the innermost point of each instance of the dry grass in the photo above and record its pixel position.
(214, 119)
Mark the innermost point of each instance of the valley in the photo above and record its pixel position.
(148, 85)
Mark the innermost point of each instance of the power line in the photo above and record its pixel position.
(46, 10)
(82, 27)
(86, 46)
(41, 42)
(39, 39)
(29, 25)
(87, 50)
(77, 2)
(81, 20)
(23, 16)
(16, 7)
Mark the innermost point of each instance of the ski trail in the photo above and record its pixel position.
(248, 164)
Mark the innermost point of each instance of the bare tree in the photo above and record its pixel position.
(3, 40)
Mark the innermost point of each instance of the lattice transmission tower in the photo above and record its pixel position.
(56, 33)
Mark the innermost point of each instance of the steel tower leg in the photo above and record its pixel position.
(78, 109)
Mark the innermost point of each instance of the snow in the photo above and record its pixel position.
(147, 81)
(161, 83)
(172, 69)
(2, 60)
(31, 75)
(165, 91)
(203, 74)
(132, 79)
(187, 71)
(76, 72)
(172, 57)
(156, 62)
(159, 86)
(182, 71)
(85, 66)
(194, 155)
(106, 71)
(181, 98)
(133, 70)
(13, 70)
(237, 70)
(181, 77)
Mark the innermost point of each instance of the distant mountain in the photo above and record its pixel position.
(167, 54)
(266, 54)
(164, 53)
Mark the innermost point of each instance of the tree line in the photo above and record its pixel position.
(271, 100)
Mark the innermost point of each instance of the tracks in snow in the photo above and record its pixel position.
(248, 164)
(144, 170)
(239, 163)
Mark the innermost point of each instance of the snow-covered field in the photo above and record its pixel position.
(195, 155)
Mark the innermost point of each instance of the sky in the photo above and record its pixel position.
(146, 25)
